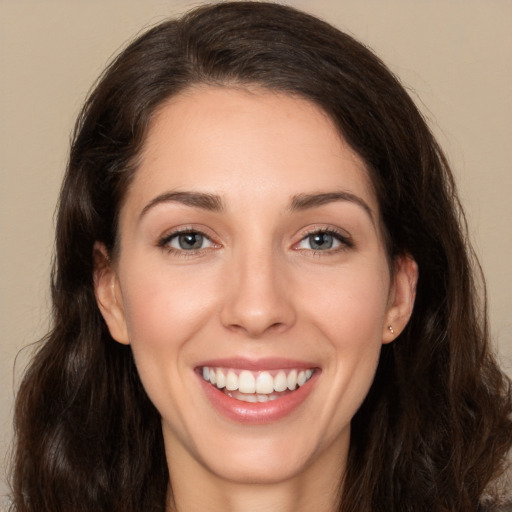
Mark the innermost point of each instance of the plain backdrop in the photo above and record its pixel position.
(454, 56)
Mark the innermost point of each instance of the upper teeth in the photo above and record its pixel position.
(246, 381)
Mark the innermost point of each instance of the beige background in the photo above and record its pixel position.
(453, 54)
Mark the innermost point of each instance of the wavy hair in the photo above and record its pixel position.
(436, 425)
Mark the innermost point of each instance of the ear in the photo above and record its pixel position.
(108, 294)
(401, 297)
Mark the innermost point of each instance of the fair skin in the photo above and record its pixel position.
(250, 241)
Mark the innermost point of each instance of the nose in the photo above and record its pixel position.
(257, 296)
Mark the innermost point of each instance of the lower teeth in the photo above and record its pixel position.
(254, 397)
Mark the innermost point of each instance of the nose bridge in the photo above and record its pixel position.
(257, 298)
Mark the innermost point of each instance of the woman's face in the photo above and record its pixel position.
(252, 283)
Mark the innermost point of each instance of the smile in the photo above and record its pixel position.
(256, 386)
(257, 392)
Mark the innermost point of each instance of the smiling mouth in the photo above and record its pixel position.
(258, 386)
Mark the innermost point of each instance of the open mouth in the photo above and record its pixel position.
(256, 386)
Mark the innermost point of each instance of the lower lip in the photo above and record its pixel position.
(260, 412)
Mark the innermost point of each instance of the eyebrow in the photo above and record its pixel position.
(213, 202)
(210, 202)
(307, 201)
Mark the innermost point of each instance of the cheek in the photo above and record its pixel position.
(350, 304)
(350, 313)
(164, 307)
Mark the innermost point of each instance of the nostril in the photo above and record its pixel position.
(255, 329)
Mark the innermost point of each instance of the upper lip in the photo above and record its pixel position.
(261, 364)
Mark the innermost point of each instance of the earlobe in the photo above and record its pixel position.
(108, 294)
(402, 295)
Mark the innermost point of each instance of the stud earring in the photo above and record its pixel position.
(391, 329)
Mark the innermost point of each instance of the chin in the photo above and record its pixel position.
(254, 471)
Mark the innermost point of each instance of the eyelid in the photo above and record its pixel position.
(163, 240)
(344, 238)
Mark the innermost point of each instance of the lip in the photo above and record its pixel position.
(260, 412)
(257, 364)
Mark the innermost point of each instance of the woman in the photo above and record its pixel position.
(263, 298)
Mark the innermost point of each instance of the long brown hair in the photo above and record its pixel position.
(435, 426)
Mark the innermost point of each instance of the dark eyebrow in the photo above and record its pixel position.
(201, 200)
(306, 201)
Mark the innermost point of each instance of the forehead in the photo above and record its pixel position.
(246, 143)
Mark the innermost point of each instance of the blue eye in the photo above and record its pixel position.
(187, 241)
(323, 241)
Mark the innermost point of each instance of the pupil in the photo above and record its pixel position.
(321, 241)
(191, 241)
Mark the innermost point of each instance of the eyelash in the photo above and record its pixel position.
(344, 241)
(167, 239)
